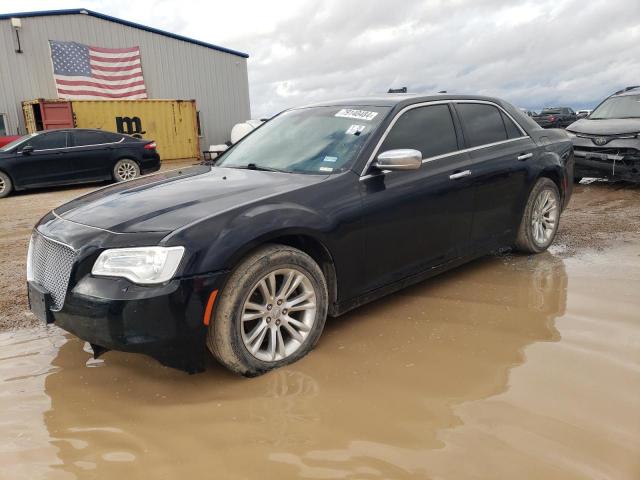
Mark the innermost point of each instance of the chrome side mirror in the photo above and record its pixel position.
(401, 159)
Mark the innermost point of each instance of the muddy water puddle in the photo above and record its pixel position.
(509, 368)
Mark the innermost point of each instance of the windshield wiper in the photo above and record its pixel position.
(253, 166)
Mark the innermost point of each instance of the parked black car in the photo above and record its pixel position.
(318, 211)
(60, 157)
(556, 117)
(607, 143)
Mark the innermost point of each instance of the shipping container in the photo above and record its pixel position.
(173, 124)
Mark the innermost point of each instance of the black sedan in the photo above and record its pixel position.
(318, 211)
(62, 157)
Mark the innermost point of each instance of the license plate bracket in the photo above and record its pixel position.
(40, 302)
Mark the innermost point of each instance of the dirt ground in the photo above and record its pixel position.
(510, 367)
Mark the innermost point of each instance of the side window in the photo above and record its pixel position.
(512, 130)
(109, 137)
(46, 141)
(428, 129)
(481, 123)
(82, 138)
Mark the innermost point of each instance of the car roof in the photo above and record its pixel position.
(76, 130)
(398, 99)
(627, 91)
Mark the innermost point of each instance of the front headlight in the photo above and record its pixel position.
(144, 265)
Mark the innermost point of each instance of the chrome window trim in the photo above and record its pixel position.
(444, 155)
(80, 146)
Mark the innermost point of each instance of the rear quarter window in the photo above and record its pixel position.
(81, 139)
(481, 124)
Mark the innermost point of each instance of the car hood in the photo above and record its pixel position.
(611, 126)
(170, 200)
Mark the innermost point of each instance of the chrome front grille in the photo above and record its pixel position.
(50, 264)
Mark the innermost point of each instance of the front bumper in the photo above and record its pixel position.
(618, 159)
(163, 321)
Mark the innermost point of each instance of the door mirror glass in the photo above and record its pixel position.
(400, 159)
(27, 150)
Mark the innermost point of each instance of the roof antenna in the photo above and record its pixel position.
(398, 90)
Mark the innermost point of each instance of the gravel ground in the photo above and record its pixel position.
(598, 212)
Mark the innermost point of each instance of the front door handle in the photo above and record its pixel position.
(524, 156)
(455, 176)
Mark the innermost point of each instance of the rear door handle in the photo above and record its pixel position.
(455, 176)
(524, 156)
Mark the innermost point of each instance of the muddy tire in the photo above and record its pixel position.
(540, 219)
(271, 311)
(125, 169)
(6, 186)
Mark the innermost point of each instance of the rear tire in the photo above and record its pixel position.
(126, 169)
(577, 179)
(259, 321)
(6, 185)
(541, 218)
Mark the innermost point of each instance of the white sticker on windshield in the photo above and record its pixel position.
(355, 129)
(326, 169)
(358, 114)
(330, 159)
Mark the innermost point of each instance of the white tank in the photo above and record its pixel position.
(240, 130)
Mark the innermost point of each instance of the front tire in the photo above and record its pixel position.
(541, 217)
(125, 169)
(271, 311)
(6, 186)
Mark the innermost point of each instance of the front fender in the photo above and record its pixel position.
(228, 237)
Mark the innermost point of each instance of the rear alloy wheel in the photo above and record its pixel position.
(541, 218)
(270, 313)
(125, 169)
(6, 186)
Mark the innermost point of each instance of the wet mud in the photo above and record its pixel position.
(510, 367)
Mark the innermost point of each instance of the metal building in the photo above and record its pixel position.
(174, 67)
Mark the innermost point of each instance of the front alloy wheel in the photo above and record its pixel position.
(278, 314)
(270, 312)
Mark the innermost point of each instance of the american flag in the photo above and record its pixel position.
(82, 71)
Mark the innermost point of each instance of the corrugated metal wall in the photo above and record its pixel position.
(173, 69)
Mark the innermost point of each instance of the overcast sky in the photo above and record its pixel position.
(545, 52)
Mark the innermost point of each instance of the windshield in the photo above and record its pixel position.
(626, 106)
(307, 140)
(17, 142)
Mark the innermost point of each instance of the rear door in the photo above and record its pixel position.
(417, 219)
(92, 153)
(47, 164)
(501, 153)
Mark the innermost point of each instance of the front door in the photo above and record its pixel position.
(48, 162)
(415, 220)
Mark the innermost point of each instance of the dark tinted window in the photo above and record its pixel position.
(512, 130)
(89, 138)
(428, 129)
(481, 123)
(48, 140)
(112, 137)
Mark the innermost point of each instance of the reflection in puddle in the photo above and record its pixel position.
(501, 369)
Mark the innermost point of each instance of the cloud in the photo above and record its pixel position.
(532, 53)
